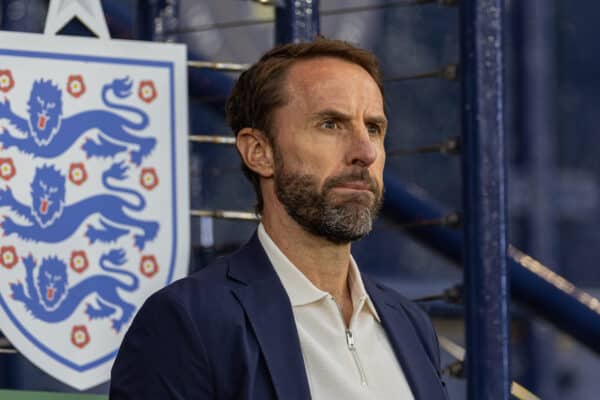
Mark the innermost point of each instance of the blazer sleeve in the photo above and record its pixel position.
(162, 355)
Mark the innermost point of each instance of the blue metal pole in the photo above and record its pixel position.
(484, 201)
(535, 92)
(3, 17)
(148, 11)
(296, 21)
(535, 128)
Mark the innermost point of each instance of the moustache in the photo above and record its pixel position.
(361, 177)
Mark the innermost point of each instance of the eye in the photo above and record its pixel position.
(40, 101)
(374, 129)
(53, 190)
(330, 124)
(43, 186)
(51, 105)
(48, 275)
(57, 278)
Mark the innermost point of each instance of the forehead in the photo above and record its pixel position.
(331, 80)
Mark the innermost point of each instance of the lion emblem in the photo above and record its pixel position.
(51, 221)
(48, 296)
(48, 134)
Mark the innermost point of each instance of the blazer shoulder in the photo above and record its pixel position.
(211, 282)
(209, 294)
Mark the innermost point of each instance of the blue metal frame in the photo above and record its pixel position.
(147, 12)
(3, 18)
(534, 117)
(535, 122)
(484, 200)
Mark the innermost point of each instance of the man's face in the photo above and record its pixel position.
(328, 148)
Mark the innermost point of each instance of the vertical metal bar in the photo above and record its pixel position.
(296, 21)
(535, 123)
(147, 10)
(3, 9)
(149, 23)
(484, 200)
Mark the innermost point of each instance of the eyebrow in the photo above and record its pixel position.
(333, 113)
(377, 120)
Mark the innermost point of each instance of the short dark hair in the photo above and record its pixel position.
(259, 90)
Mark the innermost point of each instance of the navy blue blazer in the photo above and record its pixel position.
(228, 332)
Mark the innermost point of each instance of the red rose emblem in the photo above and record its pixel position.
(148, 178)
(79, 261)
(6, 80)
(147, 91)
(76, 86)
(8, 257)
(80, 336)
(77, 173)
(148, 266)
(7, 168)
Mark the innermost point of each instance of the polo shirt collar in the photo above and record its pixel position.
(301, 291)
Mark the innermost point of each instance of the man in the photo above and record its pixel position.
(289, 315)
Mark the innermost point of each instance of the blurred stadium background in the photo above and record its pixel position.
(553, 89)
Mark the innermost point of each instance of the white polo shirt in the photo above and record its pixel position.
(349, 363)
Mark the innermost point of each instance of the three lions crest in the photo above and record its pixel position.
(80, 217)
(94, 193)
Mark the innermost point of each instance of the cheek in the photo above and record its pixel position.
(310, 159)
(379, 163)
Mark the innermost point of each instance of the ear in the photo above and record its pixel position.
(256, 151)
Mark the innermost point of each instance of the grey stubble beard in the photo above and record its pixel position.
(339, 222)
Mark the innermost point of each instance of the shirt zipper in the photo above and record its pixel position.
(352, 347)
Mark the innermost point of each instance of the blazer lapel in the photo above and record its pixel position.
(418, 368)
(269, 311)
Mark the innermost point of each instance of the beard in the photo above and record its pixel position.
(342, 220)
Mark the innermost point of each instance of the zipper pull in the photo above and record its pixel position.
(352, 347)
(350, 339)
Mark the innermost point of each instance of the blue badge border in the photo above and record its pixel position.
(104, 60)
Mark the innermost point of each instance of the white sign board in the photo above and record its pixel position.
(94, 203)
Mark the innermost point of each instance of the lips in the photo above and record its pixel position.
(50, 293)
(355, 186)
(42, 119)
(44, 206)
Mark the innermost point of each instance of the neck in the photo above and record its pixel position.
(324, 263)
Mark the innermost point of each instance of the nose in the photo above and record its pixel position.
(362, 150)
